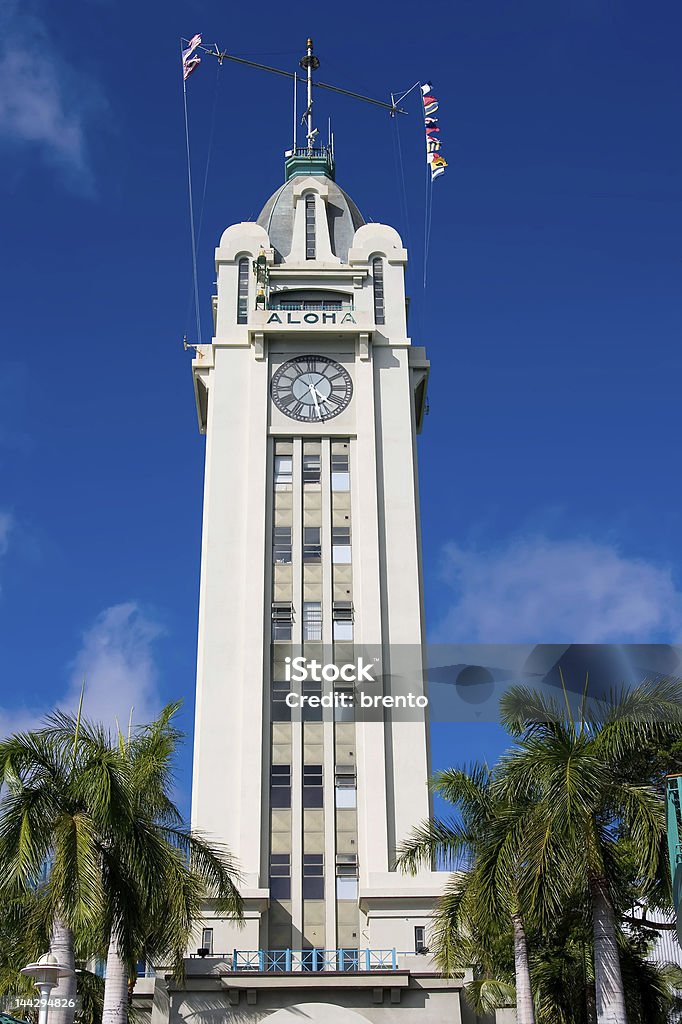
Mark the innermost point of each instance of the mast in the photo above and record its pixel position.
(310, 63)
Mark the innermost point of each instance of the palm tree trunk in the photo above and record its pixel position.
(525, 1012)
(115, 1010)
(61, 947)
(607, 973)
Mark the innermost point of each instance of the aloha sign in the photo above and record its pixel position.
(311, 318)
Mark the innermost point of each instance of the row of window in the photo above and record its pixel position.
(313, 790)
(281, 711)
(284, 471)
(313, 876)
(311, 625)
(312, 545)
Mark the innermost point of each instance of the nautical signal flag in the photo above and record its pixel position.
(437, 162)
(189, 62)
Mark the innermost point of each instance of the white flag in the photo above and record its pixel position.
(189, 63)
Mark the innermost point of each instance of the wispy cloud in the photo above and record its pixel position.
(537, 590)
(46, 103)
(117, 661)
(6, 524)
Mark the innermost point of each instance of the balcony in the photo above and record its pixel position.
(318, 161)
(308, 961)
(310, 305)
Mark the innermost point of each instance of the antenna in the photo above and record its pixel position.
(310, 63)
(222, 55)
(295, 117)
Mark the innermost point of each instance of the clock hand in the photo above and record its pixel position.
(313, 392)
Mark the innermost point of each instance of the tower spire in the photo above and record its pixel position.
(310, 63)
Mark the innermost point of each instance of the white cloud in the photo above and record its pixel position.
(542, 591)
(45, 103)
(116, 659)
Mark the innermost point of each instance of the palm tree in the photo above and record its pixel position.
(61, 795)
(124, 873)
(159, 876)
(486, 893)
(568, 770)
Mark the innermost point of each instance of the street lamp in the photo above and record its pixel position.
(46, 973)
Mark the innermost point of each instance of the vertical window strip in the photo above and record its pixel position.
(378, 276)
(243, 292)
(310, 227)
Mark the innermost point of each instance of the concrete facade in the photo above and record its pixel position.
(311, 543)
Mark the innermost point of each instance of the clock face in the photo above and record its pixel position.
(311, 388)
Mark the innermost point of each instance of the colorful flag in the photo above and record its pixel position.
(190, 63)
(437, 162)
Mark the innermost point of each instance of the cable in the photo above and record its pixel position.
(191, 217)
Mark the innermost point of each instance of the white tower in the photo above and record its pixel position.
(311, 395)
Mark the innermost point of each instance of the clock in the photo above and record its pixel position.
(311, 388)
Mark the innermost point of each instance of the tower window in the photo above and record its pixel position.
(281, 546)
(207, 940)
(312, 620)
(312, 548)
(341, 545)
(312, 785)
(311, 468)
(310, 226)
(420, 939)
(281, 712)
(280, 785)
(243, 292)
(282, 620)
(345, 785)
(378, 277)
(340, 471)
(342, 616)
(344, 712)
(280, 876)
(313, 876)
(284, 468)
(312, 712)
(347, 877)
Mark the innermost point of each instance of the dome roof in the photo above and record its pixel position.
(343, 216)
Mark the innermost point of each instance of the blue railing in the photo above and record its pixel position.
(273, 961)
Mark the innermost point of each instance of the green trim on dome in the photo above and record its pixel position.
(318, 162)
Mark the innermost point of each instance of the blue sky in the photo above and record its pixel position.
(550, 487)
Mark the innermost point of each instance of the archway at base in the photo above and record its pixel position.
(315, 1013)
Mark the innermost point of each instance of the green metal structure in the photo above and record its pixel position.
(674, 827)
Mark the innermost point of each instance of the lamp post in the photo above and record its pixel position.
(46, 973)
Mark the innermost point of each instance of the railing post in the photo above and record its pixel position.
(394, 959)
(261, 960)
(287, 960)
(340, 960)
(368, 961)
(234, 961)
